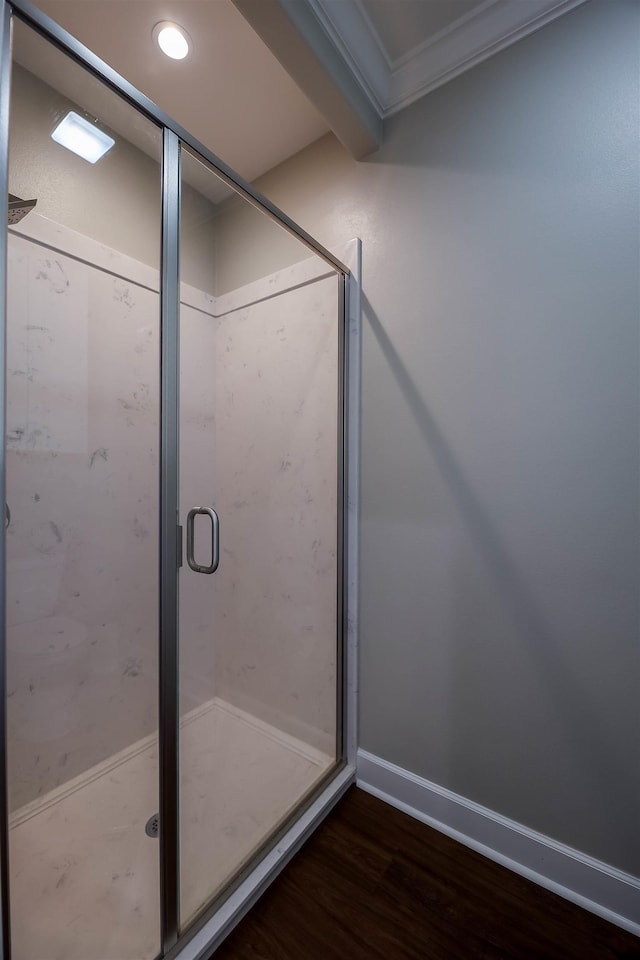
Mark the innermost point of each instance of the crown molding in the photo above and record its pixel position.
(353, 35)
(392, 85)
(333, 52)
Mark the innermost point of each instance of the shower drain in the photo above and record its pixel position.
(152, 826)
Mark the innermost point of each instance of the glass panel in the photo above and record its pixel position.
(258, 428)
(82, 542)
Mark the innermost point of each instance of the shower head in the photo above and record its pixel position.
(19, 208)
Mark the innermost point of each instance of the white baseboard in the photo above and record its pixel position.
(596, 886)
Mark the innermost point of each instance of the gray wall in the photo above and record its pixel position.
(500, 461)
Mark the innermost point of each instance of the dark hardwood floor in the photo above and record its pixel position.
(374, 884)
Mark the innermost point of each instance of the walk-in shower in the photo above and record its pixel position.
(176, 428)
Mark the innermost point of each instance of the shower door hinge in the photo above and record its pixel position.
(179, 556)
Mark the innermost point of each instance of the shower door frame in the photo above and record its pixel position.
(220, 916)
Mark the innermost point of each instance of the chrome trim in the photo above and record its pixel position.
(215, 539)
(169, 450)
(44, 25)
(341, 544)
(5, 92)
(352, 401)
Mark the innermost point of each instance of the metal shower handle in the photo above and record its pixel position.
(215, 539)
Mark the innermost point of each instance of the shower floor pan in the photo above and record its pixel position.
(85, 874)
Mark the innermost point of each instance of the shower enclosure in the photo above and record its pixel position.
(179, 543)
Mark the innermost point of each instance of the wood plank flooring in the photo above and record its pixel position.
(374, 884)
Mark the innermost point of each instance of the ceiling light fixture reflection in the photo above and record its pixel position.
(172, 39)
(81, 137)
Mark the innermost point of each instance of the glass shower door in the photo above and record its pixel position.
(92, 558)
(83, 365)
(259, 333)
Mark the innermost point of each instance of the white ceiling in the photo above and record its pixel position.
(268, 77)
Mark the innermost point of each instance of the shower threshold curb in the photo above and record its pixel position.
(206, 940)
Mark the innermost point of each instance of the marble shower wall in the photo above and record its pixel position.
(258, 441)
(82, 468)
(82, 486)
(276, 440)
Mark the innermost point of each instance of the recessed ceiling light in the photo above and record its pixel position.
(81, 137)
(172, 39)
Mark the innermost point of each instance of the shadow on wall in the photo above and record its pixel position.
(601, 759)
